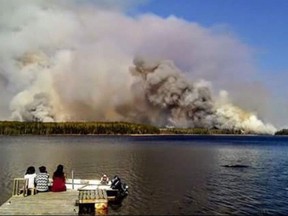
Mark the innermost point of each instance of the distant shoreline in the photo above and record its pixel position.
(147, 135)
(112, 128)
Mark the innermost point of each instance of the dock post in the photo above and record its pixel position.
(72, 176)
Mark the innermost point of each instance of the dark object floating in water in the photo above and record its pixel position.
(236, 166)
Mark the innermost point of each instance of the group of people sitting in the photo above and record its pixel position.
(41, 182)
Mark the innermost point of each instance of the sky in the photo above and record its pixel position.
(262, 24)
(189, 63)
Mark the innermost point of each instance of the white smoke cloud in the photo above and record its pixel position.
(70, 60)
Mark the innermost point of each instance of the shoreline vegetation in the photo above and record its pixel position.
(13, 128)
(282, 132)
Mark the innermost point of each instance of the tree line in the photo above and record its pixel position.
(105, 128)
(200, 131)
(282, 132)
(50, 128)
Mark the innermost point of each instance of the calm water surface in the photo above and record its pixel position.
(165, 174)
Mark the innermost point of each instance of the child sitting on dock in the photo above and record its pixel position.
(30, 175)
(42, 180)
(59, 180)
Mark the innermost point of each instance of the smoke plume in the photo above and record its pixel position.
(83, 61)
(181, 103)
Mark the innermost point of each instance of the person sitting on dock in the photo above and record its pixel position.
(30, 175)
(42, 180)
(104, 179)
(59, 180)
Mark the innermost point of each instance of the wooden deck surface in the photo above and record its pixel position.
(49, 203)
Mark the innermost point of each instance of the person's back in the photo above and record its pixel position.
(58, 184)
(42, 180)
(30, 175)
(59, 180)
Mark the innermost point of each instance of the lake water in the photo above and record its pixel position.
(165, 174)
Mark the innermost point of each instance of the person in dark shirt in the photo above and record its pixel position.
(59, 180)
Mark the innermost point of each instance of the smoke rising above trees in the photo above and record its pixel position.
(70, 61)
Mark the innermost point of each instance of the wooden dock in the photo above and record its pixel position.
(56, 203)
(49, 203)
(88, 199)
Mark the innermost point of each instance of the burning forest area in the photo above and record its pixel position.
(69, 62)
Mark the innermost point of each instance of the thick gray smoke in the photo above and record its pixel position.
(181, 103)
(73, 61)
(178, 102)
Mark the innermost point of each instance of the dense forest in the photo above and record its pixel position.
(43, 128)
(282, 132)
(200, 131)
(104, 128)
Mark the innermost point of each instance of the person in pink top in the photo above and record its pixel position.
(59, 180)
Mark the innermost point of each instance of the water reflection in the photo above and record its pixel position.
(165, 176)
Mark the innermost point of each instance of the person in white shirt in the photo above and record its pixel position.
(30, 175)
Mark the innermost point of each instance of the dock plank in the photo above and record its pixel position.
(49, 203)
